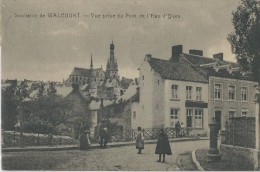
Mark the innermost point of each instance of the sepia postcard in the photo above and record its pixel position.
(134, 85)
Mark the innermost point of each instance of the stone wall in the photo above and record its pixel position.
(244, 158)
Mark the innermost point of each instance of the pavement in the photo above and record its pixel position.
(93, 146)
(194, 158)
(118, 156)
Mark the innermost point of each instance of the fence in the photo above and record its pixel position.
(149, 134)
(14, 138)
(240, 131)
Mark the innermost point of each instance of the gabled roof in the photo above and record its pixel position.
(64, 90)
(180, 70)
(125, 82)
(81, 72)
(210, 71)
(128, 94)
(200, 60)
(80, 94)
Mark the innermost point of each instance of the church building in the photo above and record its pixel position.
(99, 83)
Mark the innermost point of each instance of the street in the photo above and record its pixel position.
(123, 158)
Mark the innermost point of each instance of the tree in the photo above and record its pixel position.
(51, 91)
(40, 91)
(8, 107)
(245, 40)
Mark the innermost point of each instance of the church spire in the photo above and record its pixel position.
(112, 67)
(91, 64)
(112, 47)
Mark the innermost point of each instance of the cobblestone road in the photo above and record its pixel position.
(117, 158)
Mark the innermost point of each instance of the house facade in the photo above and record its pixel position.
(231, 92)
(171, 91)
(193, 89)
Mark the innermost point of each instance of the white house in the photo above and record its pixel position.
(170, 91)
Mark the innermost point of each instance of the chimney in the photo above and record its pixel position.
(147, 57)
(218, 56)
(196, 52)
(176, 51)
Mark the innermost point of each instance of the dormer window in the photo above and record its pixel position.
(216, 67)
(230, 69)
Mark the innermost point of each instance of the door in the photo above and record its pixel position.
(218, 118)
(189, 117)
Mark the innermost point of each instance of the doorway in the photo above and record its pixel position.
(218, 118)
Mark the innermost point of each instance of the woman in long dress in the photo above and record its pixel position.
(163, 146)
(139, 140)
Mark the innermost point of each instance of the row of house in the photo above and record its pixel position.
(188, 87)
(192, 89)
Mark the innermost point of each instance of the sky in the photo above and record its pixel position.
(48, 48)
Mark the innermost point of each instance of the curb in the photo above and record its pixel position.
(196, 162)
(94, 146)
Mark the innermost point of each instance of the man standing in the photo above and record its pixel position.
(177, 129)
(103, 134)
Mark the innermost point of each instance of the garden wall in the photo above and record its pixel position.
(246, 158)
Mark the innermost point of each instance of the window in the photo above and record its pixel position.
(244, 93)
(189, 117)
(143, 77)
(174, 91)
(231, 114)
(174, 116)
(188, 92)
(134, 114)
(198, 118)
(198, 93)
(244, 112)
(217, 91)
(231, 92)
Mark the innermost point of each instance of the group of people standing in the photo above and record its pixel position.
(162, 147)
(103, 137)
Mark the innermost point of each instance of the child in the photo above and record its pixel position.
(139, 140)
(163, 146)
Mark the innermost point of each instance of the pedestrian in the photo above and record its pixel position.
(162, 146)
(84, 142)
(139, 140)
(177, 129)
(103, 136)
(182, 132)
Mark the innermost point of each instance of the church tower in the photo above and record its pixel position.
(112, 67)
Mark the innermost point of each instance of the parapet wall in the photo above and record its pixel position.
(246, 158)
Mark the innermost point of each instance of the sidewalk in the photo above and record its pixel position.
(93, 146)
(197, 160)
